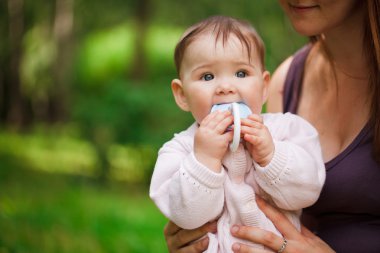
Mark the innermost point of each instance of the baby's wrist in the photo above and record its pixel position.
(266, 160)
(210, 162)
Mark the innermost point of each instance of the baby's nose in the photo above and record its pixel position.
(226, 88)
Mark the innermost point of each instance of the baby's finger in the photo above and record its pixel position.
(252, 139)
(257, 118)
(252, 123)
(250, 130)
(215, 119)
(224, 124)
(210, 117)
(229, 135)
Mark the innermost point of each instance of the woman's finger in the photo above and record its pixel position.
(196, 247)
(170, 229)
(280, 221)
(178, 238)
(257, 235)
(242, 248)
(306, 232)
(315, 242)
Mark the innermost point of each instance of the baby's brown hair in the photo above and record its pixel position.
(222, 27)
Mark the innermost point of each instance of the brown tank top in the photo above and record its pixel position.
(347, 214)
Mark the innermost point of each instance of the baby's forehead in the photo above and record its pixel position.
(221, 31)
(212, 40)
(209, 40)
(206, 51)
(224, 36)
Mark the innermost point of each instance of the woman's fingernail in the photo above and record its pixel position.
(236, 247)
(235, 229)
(213, 227)
(204, 242)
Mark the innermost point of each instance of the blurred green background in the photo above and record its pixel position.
(85, 104)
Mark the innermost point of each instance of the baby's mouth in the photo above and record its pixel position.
(244, 110)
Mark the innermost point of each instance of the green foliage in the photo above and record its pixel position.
(39, 55)
(51, 151)
(130, 112)
(61, 150)
(115, 125)
(42, 212)
(105, 103)
(103, 55)
(161, 41)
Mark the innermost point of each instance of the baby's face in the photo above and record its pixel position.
(213, 74)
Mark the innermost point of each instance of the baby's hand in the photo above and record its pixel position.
(259, 140)
(211, 141)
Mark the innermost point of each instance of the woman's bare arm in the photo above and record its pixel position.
(276, 87)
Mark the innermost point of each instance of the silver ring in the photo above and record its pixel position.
(283, 246)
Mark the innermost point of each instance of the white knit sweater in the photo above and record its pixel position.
(190, 194)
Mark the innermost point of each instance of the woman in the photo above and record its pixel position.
(334, 83)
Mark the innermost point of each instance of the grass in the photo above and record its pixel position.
(50, 212)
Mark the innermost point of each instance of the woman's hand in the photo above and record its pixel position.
(181, 240)
(304, 241)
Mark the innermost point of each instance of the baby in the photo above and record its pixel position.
(198, 176)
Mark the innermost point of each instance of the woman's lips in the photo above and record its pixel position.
(302, 8)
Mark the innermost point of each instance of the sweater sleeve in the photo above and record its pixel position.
(186, 191)
(295, 176)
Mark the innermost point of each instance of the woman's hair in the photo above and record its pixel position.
(221, 27)
(372, 47)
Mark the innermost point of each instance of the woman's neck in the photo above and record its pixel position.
(344, 46)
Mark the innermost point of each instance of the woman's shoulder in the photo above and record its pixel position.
(276, 86)
(289, 71)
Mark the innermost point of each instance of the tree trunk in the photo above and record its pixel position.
(142, 21)
(62, 32)
(12, 86)
(2, 93)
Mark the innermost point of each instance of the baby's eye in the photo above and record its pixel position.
(208, 77)
(241, 74)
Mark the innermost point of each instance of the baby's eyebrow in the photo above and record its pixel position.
(242, 62)
(203, 66)
(245, 64)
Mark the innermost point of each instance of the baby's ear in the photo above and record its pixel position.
(266, 81)
(179, 95)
